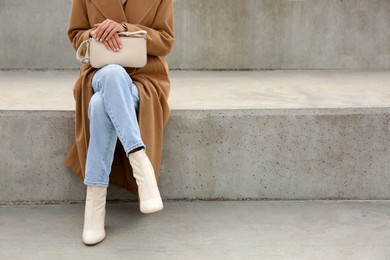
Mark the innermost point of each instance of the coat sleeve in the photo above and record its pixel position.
(160, 34)
(79, 27)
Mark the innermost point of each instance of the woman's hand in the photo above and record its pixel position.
(106, 32)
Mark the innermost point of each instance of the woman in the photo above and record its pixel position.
(120, 112)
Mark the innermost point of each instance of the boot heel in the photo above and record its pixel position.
(95, 212)
(151, 206)
(148, 193)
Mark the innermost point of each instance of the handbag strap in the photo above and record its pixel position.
(137, 34)
(85, 58)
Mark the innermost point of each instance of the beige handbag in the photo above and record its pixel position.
(133, 53)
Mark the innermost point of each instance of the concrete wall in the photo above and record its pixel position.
(217, 154)
(221, 34)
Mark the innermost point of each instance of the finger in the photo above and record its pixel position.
(97, 32)
(98, 29)
(107, 45)
(112, 33)
(112, 45)
(118, 40)
(117, 46)
(107, 32)
(101, 29)
(93, 33)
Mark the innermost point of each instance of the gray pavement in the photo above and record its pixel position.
(204, 230)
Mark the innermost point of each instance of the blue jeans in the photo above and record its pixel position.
(113, 114)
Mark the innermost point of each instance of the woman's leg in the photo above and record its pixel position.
(120, 103)
(101, 144)
(117, 103)
(112, 113)
(118, 95)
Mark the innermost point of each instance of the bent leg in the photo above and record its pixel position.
(120, 102)
(101, 144)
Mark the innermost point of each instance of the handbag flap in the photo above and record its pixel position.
(133, 53)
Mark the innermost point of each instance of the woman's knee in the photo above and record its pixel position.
(113, 72)
(112, 77)
(96, 105)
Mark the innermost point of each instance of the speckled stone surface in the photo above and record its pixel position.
(294, 154)
(232, 154)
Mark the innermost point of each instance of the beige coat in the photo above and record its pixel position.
(156, 17)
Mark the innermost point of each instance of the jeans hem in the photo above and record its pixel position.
(134, 147)
(98, 184)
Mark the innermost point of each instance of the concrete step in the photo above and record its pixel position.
(221, 34)
(232, 135)
(298, 230)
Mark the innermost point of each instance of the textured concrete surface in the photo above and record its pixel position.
(280, 34)
(358, 230)
(221, 34)
(213, 154)
(287, 154)
(232, 135)
(31, 155)
(198, 90)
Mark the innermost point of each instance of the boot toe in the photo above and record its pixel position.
(151, 206)
(92, 237)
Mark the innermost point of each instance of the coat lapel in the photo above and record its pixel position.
(141, 11)
(111, 9)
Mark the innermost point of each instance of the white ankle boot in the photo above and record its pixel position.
(149, 195)
(95, 212)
